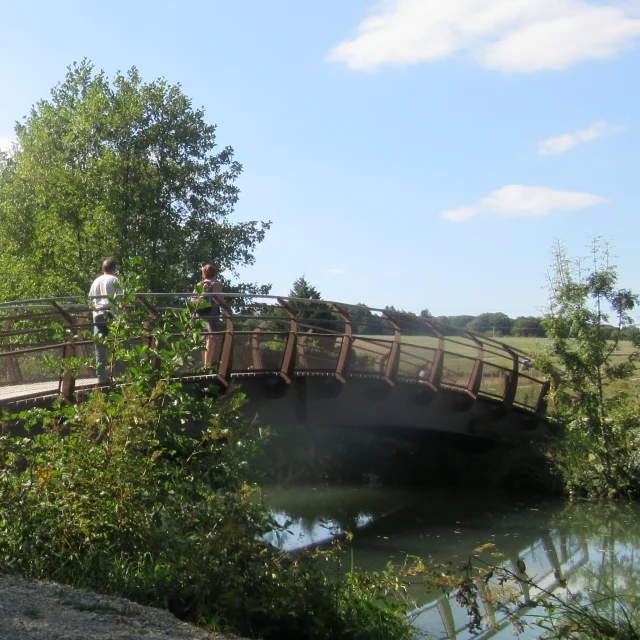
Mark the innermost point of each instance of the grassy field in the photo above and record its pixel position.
(530, 346)
(461, 353)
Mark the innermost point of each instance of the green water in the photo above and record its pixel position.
(591, 547)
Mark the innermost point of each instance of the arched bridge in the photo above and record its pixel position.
(304, 362)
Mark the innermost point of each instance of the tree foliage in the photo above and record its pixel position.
(460, 322)
(491, 323)
(302, 288)
(117, 167)
(365, 322)
(598, 453)
(528, 327)
(309, 313)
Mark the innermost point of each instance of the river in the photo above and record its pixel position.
(591, 547)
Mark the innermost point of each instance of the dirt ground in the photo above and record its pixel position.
(35, 610)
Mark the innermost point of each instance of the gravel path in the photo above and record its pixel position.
(35, 610)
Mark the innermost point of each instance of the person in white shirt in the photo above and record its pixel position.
(102, 287)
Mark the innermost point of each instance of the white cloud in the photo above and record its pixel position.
(461, 214)
(517, 200)
(509, 35)
(336, 272)
(560, 144)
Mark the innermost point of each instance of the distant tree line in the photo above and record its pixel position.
(495, 325)
(364, 321)
(499, 325)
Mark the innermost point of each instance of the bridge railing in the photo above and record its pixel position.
(276, 336)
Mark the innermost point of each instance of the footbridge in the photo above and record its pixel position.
(307, 362)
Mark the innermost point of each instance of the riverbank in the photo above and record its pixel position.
(37, 610)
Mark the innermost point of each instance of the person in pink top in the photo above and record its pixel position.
(103, 286)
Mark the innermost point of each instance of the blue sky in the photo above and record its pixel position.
(418, 153)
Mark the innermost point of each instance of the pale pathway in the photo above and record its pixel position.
(35, 610)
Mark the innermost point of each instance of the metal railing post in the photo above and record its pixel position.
(393, 361)
(82, 348)
(226, 353)
(302, 356)
(14, 368)
(256, 356)
(67, 388)
(437, 366)
(511, 379)
(344, 357)
(152, 315)
(473, 388)
(541, 405)
(288, 363)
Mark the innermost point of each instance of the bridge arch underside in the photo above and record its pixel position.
(368, 403)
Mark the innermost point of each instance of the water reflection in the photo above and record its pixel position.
(590, 548)
(318, 514)
(300, 532)
(552, 560)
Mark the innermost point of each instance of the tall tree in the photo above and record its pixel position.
(311, 314)
(302, 288)
(123, 168)
(600, 416)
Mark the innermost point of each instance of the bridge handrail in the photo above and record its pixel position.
(394, 355)
(45, 303)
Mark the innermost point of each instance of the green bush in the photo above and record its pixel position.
(598, 414)
(141, 491)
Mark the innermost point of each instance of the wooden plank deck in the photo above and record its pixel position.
(15, 393)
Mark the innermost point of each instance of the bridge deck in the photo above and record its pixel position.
(18, 392)
(10, 394)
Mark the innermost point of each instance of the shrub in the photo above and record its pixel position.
(141, 491)
(599, 418)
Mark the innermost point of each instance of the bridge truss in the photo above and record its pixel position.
(275, 336)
